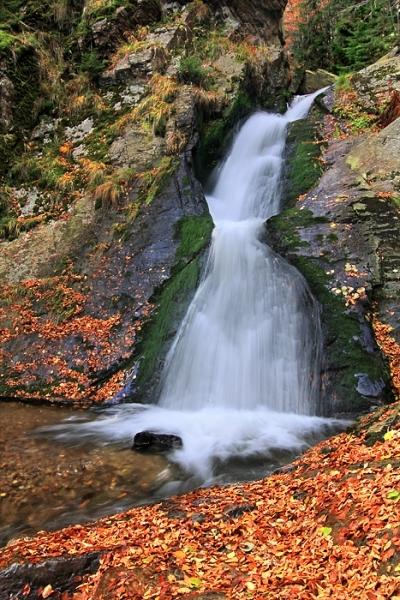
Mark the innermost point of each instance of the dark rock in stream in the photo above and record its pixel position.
(63, 574)
(148, 441)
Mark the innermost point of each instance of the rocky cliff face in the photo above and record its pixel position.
(341, 228)
(102, 219)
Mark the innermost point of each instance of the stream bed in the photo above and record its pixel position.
(48, 483)
(45, 484)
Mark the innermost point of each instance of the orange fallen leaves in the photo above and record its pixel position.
(67, 344)
(328, 529)
(391, 349)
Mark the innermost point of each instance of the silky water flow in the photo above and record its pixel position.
(242, 378)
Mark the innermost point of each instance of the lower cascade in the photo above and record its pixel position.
(242, 378)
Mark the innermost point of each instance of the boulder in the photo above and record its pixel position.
(316, 80)
(375, 83)
(107, 32)
(170, 38)
(137, 65)
(148, 441)
(379, 154)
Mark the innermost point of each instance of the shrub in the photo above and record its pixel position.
(92, 64)
(191, 70)
(6, 40)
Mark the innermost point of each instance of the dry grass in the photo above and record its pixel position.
(207, 100)
(112, 189)
(93, 172)
(107, 194)
(155, 109)
(176, 142)
(163, 87)
(135, 43)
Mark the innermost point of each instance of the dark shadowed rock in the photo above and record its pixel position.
(148, 441)
(63, 574)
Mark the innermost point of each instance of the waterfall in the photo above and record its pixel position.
(242, 376)
(251, 336)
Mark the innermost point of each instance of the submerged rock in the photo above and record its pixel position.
(148, 441)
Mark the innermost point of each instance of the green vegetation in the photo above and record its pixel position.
(157, 332)
(304, 168)
(92, 64)
(6, 40)
(216, 133)
(191, 70)
(342, 331)
(348, 107)
(358, 32)
(194, 234)
(286, 226)
(153, 181)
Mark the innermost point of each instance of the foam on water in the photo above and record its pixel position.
(242, 376)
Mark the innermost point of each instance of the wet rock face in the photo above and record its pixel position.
(343, 235)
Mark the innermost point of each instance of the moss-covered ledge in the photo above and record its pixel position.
(355, 375)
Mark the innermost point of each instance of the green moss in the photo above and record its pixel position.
(285, 227)
(7, 40)
(214, 135)
(396, 200)
(303, 167)
(158, 331)
(342, 332)
(194, 234)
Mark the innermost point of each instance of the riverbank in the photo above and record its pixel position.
(326, 528)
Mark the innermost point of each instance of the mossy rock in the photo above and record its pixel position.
(215, 134)
(172, 299)
(344, 352)
(303, 167)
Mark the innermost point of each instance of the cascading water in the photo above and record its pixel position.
(242, 376)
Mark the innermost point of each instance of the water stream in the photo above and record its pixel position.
(240, 386)
(241, 380)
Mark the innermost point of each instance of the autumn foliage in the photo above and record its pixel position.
(327, 528)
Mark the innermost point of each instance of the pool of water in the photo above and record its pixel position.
(45, 484)
(48, 481)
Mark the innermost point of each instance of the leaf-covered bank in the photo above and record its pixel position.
(329, 527)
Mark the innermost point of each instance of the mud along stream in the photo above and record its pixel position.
(241, 383)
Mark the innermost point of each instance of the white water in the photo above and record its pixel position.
(242, 376)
